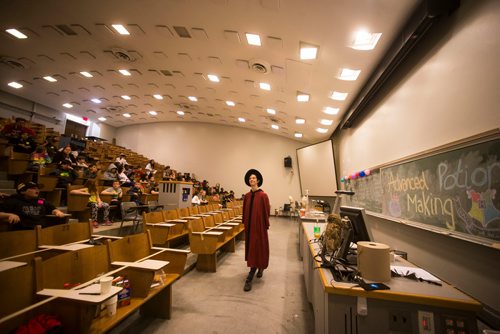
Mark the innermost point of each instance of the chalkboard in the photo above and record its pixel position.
(457, 191)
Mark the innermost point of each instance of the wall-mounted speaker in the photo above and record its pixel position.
(288, 161)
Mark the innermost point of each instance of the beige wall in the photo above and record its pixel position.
(219, 154)
(447, 91)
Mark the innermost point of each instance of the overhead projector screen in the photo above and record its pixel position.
(317, 169)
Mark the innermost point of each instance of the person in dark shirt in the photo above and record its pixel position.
(24, 144)
(25, 210)
(15, 130)
(64, 154)
(65, 173)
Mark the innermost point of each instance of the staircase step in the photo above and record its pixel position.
(3, 175)
(9, 191)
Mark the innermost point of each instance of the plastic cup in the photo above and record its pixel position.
(111, 305)
(105, 284)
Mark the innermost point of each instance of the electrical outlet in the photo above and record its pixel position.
(426, 323)
(400, 321)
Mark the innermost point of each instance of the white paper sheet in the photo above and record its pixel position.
(420, 273)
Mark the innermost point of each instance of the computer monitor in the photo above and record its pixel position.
(357, 218)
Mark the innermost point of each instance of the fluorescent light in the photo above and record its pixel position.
(180, 113)
(253, 39)
(16, 33)
(230, 103)
(302, 97)
(298, 135)
(15, 85)
(321, 130)
(67, 105)
(241, 119)
(326, 122)
(331, 111)
(96, 101)
(153, 113)
(213, 78)
(102, 119)
(275, 127)
(125, 72)
(193, 98)
(49, 78)
(338, 96)
(86, 74)
(308, 51)
(300, 121)
(120, 29)
(126, 97)
(271, 111)
(127, 115)
(265, 86)
(349, 74)
(365, 40)
(158, 97)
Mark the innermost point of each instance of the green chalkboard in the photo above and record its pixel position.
(456, 191)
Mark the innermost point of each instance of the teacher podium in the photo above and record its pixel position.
(175, 194)
(408, 307)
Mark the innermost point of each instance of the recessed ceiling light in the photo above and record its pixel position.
(300, 121)
(241, 119)
(298, 135)
(326, 122)
(230, 103)
(365, 40)
(16, 33)
(180, 113)
(265, 86)
(349, 74)
(96, 101)
(158, 97)
(338, 96)
(125, 72)
(253, 39)
(193, 98)
(302, 97)
(86, 74)
(331, 111)
(271, 111)
(15, 85)
(152, 112)
(321, 130)
(126, 97)
(127, 115)
(67, 105)
(49, 78)
(213, 78)
(308, 51)
(275, 127)
(120, 29)
(102, 119)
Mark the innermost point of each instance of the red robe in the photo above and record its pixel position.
(256, 220)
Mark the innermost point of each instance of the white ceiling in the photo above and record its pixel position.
(217, 46)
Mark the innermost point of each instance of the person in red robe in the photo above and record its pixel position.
(256, 211)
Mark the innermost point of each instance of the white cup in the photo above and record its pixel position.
(105, 284)
(111, 304)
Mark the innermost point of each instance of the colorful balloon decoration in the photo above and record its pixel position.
(367, 172)
(362, 173)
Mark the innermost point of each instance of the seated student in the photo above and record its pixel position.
(195, 200)
(150, 168)
(121, 159)
(123, 178)
(203, 197)
(15, 130)
(91, 172)
(65, 173)
(136, 191)
(95, 203)
(39, 158)
(51, 145)
(25, 210)
(115, 191)
(24, 144)
(167, 173)
(110, 175)
(64, 153)
(81, 164)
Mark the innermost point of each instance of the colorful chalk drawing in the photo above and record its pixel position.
(456, 191)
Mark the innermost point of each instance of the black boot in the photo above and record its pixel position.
(260, 272)
(248, 281)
